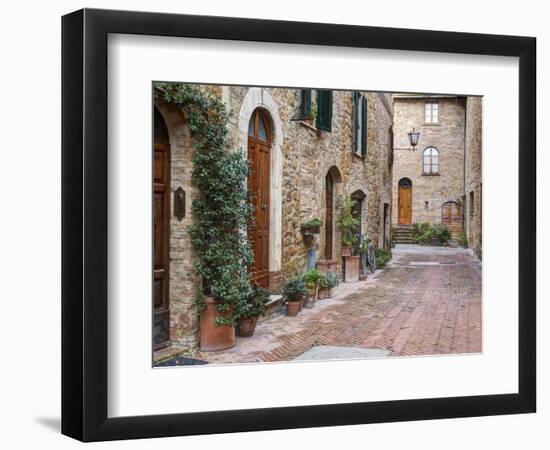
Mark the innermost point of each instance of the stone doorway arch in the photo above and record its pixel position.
(261, 99)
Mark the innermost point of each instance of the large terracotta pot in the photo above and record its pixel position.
(351, 269)
(346, 251)
(293, 307)
(327, 265)
(246, 326)
(213, 337)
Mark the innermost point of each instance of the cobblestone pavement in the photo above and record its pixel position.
(426, 302)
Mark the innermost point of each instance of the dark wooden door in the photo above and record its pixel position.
(451, 217)
(405, 205)
(329, 200)
(259, 154)
(161, 234)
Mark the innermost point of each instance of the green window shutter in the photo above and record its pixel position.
(354, 120)
(324, 110)
(364, 130)
(305, 103)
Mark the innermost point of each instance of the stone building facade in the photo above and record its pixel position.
(309, 171)
(429, 181)
(473, 174)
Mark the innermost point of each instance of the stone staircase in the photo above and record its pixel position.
(402, 234)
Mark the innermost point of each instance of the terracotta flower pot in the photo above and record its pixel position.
(246, 326)
(346, 251)
(351, 269)
(293, 307)
(326, 265)
(213, 337)
(323, 293)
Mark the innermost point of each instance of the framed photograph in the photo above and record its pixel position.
(273, 225)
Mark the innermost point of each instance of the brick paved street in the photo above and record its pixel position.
(426, 302)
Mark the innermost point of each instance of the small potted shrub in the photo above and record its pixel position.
(347, 224)
(312, 226)
(328, 281)
(294, 291)
(311, 279)
(250, 310)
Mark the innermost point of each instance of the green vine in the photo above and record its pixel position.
(223, 210)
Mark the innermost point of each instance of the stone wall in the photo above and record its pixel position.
(429, 192)
(473, 173)
(301, 158)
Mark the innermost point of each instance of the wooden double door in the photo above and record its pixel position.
(259, 154)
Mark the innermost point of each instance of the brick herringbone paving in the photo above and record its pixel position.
(427, 302)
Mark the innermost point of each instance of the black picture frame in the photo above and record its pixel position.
(84, 224)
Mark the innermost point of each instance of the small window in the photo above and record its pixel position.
(426, 205)
(432, 112)
(359, 117)
(471, 209)
(430, 161)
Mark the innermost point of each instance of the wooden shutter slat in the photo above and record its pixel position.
(324, 110)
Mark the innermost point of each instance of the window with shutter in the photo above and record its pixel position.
(359, 124)
(364, 128)
(324, 110)
(305, 104)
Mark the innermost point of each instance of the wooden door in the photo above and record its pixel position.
(451, 217)
(161, 234)
(329, 200)
(259, 154)
(405, 205)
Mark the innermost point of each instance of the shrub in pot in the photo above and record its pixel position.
(347, 224)
(311, 279)
(224, 254)
(312, 226)
(249, 311)
(294, 291)
(328, 281)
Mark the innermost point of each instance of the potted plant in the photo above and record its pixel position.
(223, 253)
(249, 311)
(312, 226)
(347, 224)
(294, 291)
(311, 279)
(442, 234)
(328, 281)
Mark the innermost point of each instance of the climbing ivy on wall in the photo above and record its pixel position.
(222, 213)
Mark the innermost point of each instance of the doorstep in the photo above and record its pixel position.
(273, 306)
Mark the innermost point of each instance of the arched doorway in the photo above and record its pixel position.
(451, 217)
(404, 202)
(259, 154)
(161, 233)
(332, 177)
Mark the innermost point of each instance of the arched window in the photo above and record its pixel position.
(430, 161)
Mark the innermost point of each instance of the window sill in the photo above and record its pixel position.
(308, 125)
(431, 124)
(431, 175)
(358, 156)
